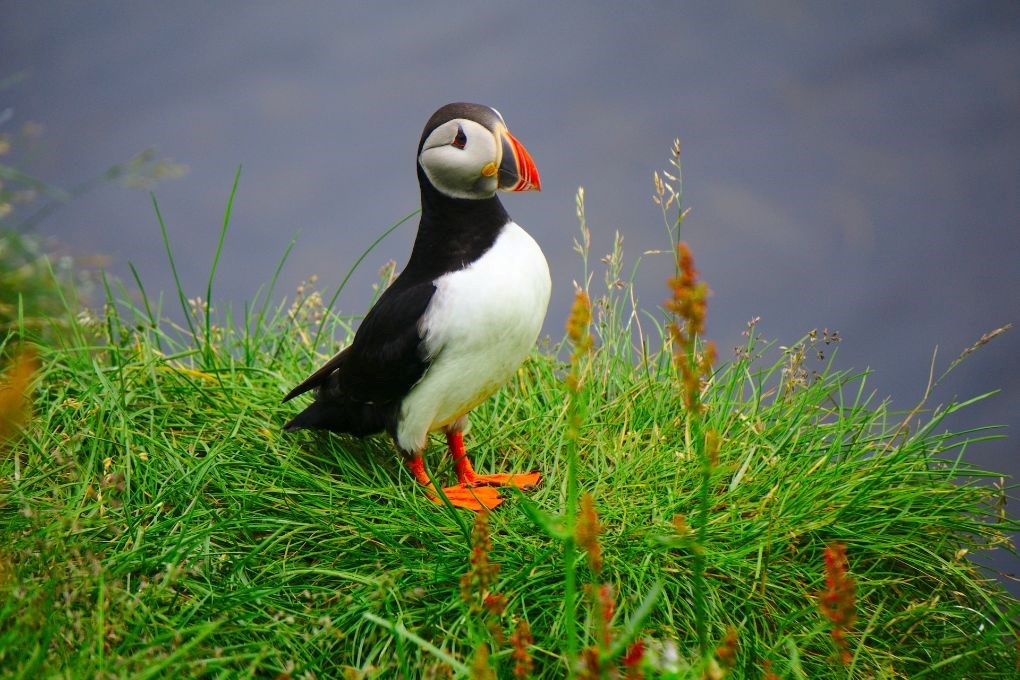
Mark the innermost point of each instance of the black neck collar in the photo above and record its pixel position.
(453, 232)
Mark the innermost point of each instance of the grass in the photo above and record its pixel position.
(157, 521)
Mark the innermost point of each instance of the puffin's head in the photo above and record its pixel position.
(467, 152)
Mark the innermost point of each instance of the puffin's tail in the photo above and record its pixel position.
(348, 417)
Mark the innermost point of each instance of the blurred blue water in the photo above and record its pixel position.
(854, 167)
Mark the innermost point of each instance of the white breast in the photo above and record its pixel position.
(481, 324)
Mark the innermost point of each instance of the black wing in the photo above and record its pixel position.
(386, 357)
(359, 388)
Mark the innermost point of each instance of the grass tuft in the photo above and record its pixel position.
(155, 520)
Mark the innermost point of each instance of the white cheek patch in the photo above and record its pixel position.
(453, 171)
(459, 172)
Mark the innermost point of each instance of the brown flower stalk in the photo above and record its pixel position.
(712, 444)
(478, 580)
(606, 609)
(837, 601)
(521, 640)
(689, 303)
(587, 531)
(603, 606)
(601, 596)
(726, 652)
(603, 601)
(577, 330)
(14, 393)
(632, 661)
(680, 525)
(480, 669)
(481, 575)
(689, 306)
(578, 325)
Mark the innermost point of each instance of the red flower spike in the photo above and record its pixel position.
(524, 665)
(587, 531)
(632, 660)
(726, 652)
(689, 303)
(481, 574)
(838, 601)
(494, 603)
(607, 607)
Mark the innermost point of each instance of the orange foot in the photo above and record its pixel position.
(468, 477)
(475, 491)
(470, 498)
(460, 496)
(525, 482)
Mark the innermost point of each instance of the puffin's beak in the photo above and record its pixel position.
(517, 172)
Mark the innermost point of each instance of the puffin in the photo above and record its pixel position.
(460, 318)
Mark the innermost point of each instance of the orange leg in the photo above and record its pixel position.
(467, 476)
(460, 496)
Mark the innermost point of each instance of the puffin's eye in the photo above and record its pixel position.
(460, 141)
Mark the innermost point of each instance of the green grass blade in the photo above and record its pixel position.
(353, 268)
(216, 261)
(399, 630)
(185, 309)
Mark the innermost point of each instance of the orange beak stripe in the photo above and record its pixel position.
(527, 173)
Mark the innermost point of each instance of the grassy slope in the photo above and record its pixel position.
(155, 519)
